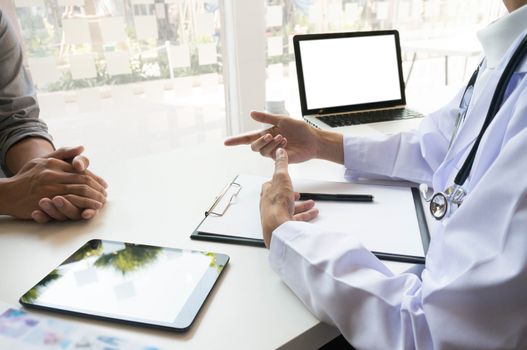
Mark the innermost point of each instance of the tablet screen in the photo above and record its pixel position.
(153, 286)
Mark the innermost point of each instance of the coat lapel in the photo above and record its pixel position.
(474, 119)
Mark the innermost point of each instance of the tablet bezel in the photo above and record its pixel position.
(183, 320)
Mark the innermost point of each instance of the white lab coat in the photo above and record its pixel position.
(472, 293)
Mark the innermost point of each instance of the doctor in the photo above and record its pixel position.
(472, 293)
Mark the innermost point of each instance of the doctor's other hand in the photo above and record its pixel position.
(69, 207)
(277, 200)
(301, 141)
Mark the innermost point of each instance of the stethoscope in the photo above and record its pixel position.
(441, 202)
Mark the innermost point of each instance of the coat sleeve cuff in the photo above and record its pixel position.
(356, 158)
(282, 235)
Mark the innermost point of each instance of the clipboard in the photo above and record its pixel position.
(398, 231)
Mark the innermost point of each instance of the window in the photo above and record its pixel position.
(153, 64)
(161, 70)
(437, 38)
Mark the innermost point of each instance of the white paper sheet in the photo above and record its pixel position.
(352, 11)
(207, 54)
(205, 24)
(43, 69)
(274, 16)
(138, 2)
(112, 29)
(335, 13)
(383, 10)
(432, 9)
(71, 2)
(417, 9)
(275, 46)
(388, 224)
(117, 62)
(403, 11)
(315, 14)
(83, 66)
(160, 11)
(146, 27)
(180, 56)
(29, 3)
(76, 31)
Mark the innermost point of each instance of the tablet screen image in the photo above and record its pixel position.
(130, 283)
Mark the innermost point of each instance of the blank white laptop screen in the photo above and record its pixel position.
(347, 71)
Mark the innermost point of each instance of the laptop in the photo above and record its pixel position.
(347, 79)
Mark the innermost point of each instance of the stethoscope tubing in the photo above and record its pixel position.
(440, 202)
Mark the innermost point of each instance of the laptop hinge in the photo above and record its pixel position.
(352, 112)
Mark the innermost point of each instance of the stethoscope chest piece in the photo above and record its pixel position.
(440, 202)
(439, 205)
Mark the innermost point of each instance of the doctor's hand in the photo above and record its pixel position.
(277, 200)
(301, 141)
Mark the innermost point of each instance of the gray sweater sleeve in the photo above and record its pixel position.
(18, 103)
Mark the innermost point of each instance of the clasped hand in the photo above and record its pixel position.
(56, 187)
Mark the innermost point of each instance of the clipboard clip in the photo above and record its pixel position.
(236, 188)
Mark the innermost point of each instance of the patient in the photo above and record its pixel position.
(42, 183)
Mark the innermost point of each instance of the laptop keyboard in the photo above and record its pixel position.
(369, 117)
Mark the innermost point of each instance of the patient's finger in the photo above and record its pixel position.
(83, 202)
(88, 214)
(80, 163)
(66, 153)
(47, 206)
(66, 208)
(70, 178)
(84, 191)
(97, 178)
(40, 217)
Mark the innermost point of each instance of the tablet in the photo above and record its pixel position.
(130, 283)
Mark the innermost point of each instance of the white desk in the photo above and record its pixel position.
(159, 200)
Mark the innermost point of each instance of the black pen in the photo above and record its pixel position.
(336, 197)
